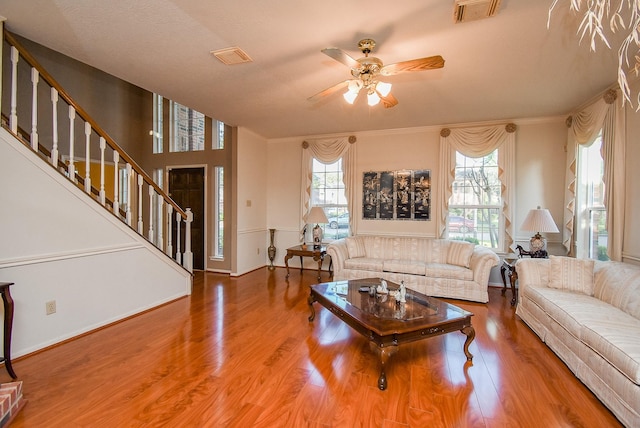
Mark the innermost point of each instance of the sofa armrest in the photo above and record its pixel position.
(339, 253)
(533, 272)
(482, 260)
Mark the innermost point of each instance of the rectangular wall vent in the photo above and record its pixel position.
(231, 56)
(470, 10)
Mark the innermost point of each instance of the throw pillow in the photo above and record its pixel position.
(568, 273)
(355, 247)
(459, 253)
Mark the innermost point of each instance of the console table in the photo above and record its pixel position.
(7, 302)
(308, 251)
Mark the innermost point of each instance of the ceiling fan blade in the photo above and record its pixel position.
(388, 101)
(420, 64)
(329, 91)
(342, 57)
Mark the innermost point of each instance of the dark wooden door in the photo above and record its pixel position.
(186, 188)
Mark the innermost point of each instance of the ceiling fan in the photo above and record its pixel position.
(368, 69)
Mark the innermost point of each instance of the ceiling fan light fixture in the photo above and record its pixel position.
(373, 98)
(355, 85)
(383, 88)
(350, 96)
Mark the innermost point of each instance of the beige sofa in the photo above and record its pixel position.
(588, 313)
(435, 267)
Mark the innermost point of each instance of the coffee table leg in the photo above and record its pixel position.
(310, 300)
(385, 353)
(471, 334)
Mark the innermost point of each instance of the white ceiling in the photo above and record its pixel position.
(506, 67)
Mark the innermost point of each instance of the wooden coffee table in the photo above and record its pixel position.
(388, 324)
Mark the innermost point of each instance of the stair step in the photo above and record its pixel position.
(11, 401)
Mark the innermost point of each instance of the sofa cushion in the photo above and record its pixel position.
(442, 270)
(404, 266)
(460, 253)
(615, 338)
(355, 246)
(618, 284)
(568, 273)
(436, 250)
(568, 309)
(364, 263)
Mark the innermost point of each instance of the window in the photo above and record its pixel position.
(158, 124)
(217, 134)
(327, 191)
(187, 128)
(218, 241)
(591, 233)
(476, 201)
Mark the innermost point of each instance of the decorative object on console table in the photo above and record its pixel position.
(271, 251)
(538, 220)
(317, 215)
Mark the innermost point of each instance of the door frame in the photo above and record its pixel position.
(167, 170)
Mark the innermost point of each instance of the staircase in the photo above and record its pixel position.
(83, 224)
(93, 161)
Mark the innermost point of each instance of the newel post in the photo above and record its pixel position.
(188, 255)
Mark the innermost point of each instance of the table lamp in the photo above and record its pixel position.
(317, 215)
(539, 220)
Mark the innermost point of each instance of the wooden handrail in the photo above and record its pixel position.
(85, 116)
(26, 139)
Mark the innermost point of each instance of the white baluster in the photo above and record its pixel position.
(151, 194)
(71, 168)
(35, 78)
(103, 146)
(54, 150)
(13, 115)
(129, 172)
(116, 184)
(160, 218)
(140, 223)
(188, 255)
(87, 156)
(169, 234)
(178, 254)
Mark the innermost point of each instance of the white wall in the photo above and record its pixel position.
(251, 197)
(541, 162)
(60, 245)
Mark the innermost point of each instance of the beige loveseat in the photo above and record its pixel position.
(435, 267)
(589, 315)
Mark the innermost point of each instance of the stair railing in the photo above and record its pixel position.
(130, 192)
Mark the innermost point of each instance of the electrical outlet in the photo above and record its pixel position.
(50, 307)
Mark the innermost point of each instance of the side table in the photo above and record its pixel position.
(509, 268)
(7, 302)
(317, 255)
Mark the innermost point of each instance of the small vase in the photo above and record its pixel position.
(271, 251)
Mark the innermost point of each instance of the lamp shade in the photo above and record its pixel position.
(317, 215)
(539, 220)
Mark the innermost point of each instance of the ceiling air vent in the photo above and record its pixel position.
(470, 10)
(232, 56)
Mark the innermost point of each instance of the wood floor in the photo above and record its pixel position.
(240, 352)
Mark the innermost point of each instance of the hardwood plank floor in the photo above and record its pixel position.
(240, 352)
